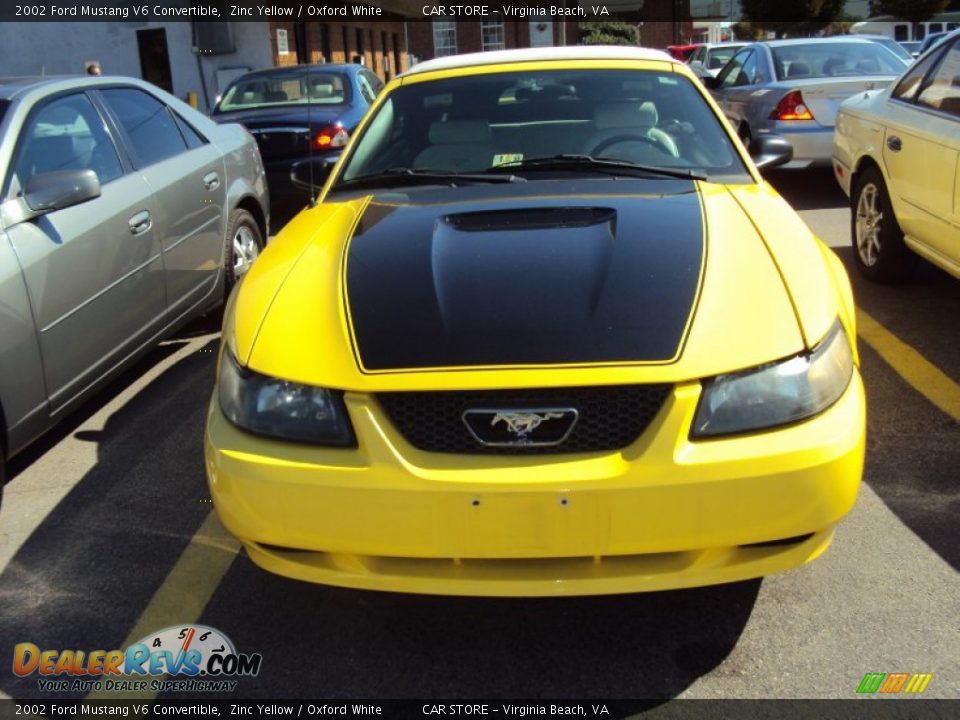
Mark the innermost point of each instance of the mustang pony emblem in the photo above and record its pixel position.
(521, 423)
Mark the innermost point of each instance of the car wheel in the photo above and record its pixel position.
(3, 475)
(878, 246)
(243, 246)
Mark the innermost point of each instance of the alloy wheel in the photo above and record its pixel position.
(869, 223)
(245, 250)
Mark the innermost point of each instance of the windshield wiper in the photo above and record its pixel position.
(601, 164)
(410, 176)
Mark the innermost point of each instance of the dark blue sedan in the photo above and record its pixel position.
(298, 112)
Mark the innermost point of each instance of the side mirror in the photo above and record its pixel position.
(709, 81)
(311, 174)
(60, 189)
(770, 151)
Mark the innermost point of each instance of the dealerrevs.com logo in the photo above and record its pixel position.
(195, 658)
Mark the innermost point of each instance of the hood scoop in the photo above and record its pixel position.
(533, 284)
(514, 270)
(533, 219)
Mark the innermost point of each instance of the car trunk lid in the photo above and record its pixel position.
(823, 98)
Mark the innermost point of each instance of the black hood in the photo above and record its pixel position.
(543, 279)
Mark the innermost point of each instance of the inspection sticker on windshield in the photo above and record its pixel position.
(507, 158)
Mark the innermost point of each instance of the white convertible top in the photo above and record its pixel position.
(571, 52)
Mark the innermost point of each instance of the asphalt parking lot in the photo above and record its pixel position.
(106, 535)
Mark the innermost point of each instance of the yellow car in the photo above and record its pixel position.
(896, 154)
(546, 332)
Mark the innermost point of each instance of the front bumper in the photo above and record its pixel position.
(842, 172)
(662, 513)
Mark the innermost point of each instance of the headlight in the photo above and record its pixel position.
(282, 409)
(777, 393)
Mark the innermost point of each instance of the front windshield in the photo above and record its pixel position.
(286, 88)
(477, 123)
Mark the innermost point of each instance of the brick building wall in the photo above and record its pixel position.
(516, 34)
(665, 22)
(380, 44)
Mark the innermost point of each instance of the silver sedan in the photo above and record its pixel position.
(793, 88)
(124, 214)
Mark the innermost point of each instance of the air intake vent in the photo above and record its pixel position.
(608, 417)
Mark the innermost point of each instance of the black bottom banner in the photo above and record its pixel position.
(867, 709)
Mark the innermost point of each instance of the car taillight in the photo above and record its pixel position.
(330, 137)
(791, 107)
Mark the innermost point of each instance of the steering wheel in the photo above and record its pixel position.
(627, 137)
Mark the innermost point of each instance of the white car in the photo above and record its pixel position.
(713, 56)
(896, 155)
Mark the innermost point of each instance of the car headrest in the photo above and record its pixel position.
(625, 115)
(458, 132)
(798, 68)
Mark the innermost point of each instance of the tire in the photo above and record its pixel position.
(878, 248)
(243, 244)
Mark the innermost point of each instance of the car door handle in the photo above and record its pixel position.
(211, 181)
(140, 223)
(893, 142)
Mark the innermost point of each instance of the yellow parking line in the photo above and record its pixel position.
(184, 593)
(913, 367)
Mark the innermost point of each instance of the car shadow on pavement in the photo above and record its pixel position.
(335, 643)
(913, 448)
(84, 575)
(809, 189)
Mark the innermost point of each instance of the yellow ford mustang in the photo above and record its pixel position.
(547, 332)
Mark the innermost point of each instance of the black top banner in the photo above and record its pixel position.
(374, 10)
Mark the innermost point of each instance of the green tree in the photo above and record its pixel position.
(609, 33)
(745, 31)
(781, 18)
(914, 11)
(921, 9)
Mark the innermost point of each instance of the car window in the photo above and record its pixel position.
(822, 60)
(942, 92)
(376, 83)
(733, 74)
(313, 87)
(750, 72)
(190, 135)
(719, 56)
(151, 129)
(365, 89)
(909, 86)
(472, 124)
(891, 45)
(66, 134)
